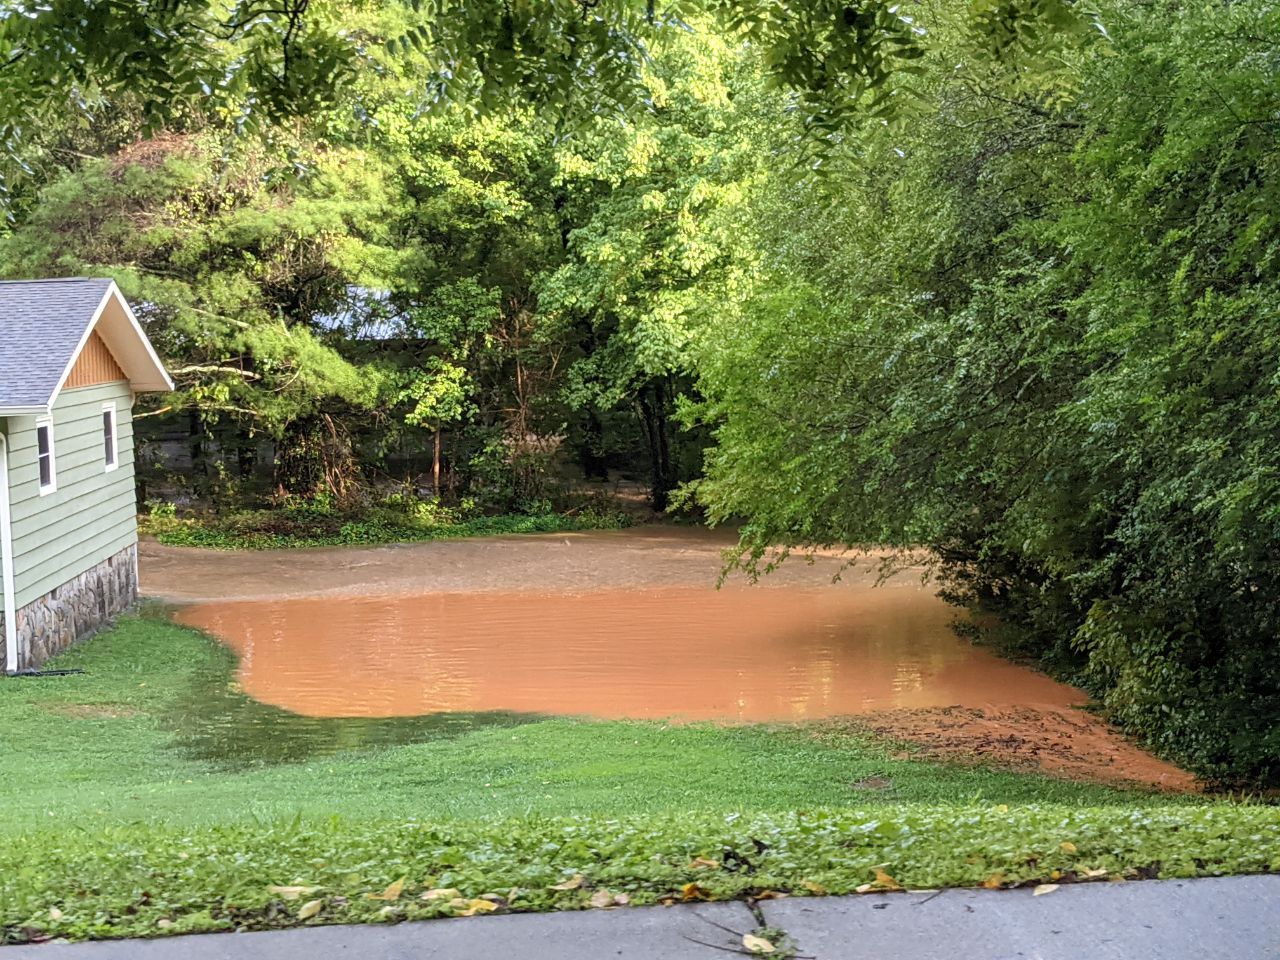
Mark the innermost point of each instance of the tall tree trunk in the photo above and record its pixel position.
(666, 478)
(199, 448)
(247, 458)
(653, 414)
(435, 467)
(590, 447)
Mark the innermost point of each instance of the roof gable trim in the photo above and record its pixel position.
(145, 371)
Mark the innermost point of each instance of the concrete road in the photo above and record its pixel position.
(1235, 918)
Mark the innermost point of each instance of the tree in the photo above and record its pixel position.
(438, 392)
(654, 245)
(233, 257)
(1038, 336)
(475, 226)
(262, 62)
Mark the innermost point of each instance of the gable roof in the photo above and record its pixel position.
(44, 324)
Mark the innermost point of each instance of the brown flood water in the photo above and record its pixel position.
(687, 653)
(628, 624)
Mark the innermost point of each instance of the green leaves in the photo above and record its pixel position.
(235, 257)
(438, 393)
(258, 63)
(1037, 334)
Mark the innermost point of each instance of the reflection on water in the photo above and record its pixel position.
(690, 653)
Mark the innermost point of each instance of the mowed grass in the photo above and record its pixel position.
(148, 796)
(154, 730)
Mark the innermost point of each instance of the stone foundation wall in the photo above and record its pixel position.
(76, 609)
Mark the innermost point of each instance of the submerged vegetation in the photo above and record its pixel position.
(231, 814)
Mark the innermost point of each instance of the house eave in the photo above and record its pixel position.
(31, 410)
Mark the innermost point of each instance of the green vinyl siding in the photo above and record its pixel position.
(92, 513)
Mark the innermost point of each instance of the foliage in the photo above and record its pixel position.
(304, 523)
(654, 240)
(1041, 339)
(262, 63)
(232, 264)
(475, 227)
(483, 287)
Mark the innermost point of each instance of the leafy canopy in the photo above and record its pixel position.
(263, 61)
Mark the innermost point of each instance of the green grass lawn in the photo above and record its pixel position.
(151, 772)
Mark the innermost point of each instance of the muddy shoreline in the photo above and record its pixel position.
(646, 556)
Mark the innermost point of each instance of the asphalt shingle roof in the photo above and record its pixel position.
(41, 323)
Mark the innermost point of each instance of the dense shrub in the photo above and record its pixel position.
(396, 519)
(1042, 336)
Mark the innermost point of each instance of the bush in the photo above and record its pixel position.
(1041, 338)
(398, 518)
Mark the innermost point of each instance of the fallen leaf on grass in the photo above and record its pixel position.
(1067, 846)
(769, 895)
(1044, 888)
(994, 882)
(469, 908)
(883, 882)
(705, 864)
(309, 909)
(817, 889)
(1094, 874)
(290, 893)
(691, 891)
(392, 892)
(886, 882)
(603, 899)
(757, 944)
(164, 923)
(573, 883)
(441, 893)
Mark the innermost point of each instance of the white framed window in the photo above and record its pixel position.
(110, 445)
(45, 460)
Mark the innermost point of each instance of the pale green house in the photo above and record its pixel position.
(72, 359)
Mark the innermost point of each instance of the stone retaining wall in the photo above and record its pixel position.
(76, 609)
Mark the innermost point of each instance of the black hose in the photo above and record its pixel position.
(42, 673)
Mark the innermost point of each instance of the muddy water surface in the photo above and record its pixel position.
(614, 624)
(737, 654)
